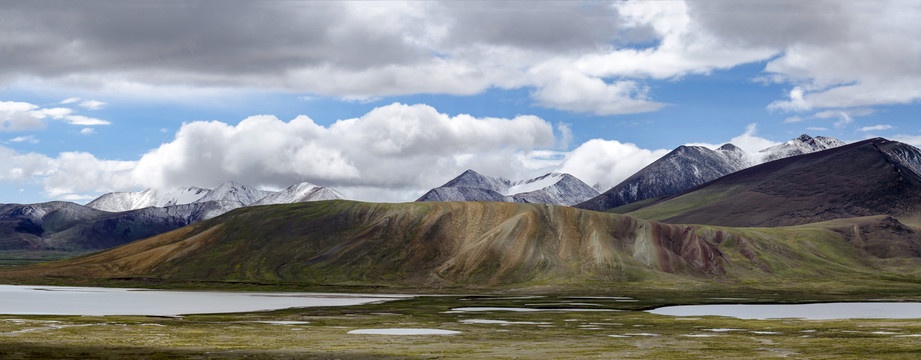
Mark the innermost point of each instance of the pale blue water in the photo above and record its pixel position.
(62, 300)
(820, 311)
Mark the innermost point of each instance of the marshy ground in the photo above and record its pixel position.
(625, 333)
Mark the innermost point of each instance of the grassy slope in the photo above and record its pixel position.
(479, 246)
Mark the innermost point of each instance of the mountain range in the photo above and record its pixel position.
(118, 218)
(477, 245)
(870, 177)
(847, 214)
(552, 188)
(689, 166)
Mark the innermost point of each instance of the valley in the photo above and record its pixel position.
(512, 279)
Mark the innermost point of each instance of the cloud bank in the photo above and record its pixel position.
(392, 153)
(586, 57)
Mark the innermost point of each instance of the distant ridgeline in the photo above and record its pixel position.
(843, 215)
(118, 218)
(689, 166)
(553, 188)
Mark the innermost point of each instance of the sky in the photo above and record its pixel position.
(383, 100)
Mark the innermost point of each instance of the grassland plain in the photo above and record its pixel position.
(324, 332)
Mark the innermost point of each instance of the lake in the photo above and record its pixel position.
(65, 300)
(819, 311)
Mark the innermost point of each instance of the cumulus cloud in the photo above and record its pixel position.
(588, 57)
(395, 147)
(87, 131)
(392, 153)
(607, 162)
(66, 175)
(18, 116)
(577, 92)
(835, 53)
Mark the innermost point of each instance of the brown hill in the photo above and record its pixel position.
(476, 245)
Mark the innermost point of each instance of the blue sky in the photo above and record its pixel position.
(393, 98)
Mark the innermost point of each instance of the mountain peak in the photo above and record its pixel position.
(552, 188)
(300, 192)
(729, 147)
(866, 178)
(803, 144)
(232, 191)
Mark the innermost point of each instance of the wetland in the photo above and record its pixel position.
(472, 326)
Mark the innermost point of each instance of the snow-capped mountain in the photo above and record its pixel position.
(124, 201)
(804, 144)
(689, 166)
(234, 195)
(553, 188)
(200, 204)
(301, 192)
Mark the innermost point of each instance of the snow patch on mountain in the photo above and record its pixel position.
(553, 188)
(534, 184)
(804, 144)
(233, 191)
(195, 204)
(125, 201)
(301, 192)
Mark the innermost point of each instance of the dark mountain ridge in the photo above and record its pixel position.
(866, 178)
(689, 166)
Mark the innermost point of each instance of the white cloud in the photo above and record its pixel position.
(792, 119)
(392, 153)
(607, 162)
(850, 65)
(87, 131)
(816, 129)
(28, 138)
(70, 100)
(54, 113)
(588, 57)
(18, 116)
(578, 92)
(393, 149)
(797, 102)
(908, 139)
(75, 197)
(84, 121)
(844, 116)
(92, 104)
(876, 128)
(844, 120)
(830, 52)
(747, 141)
